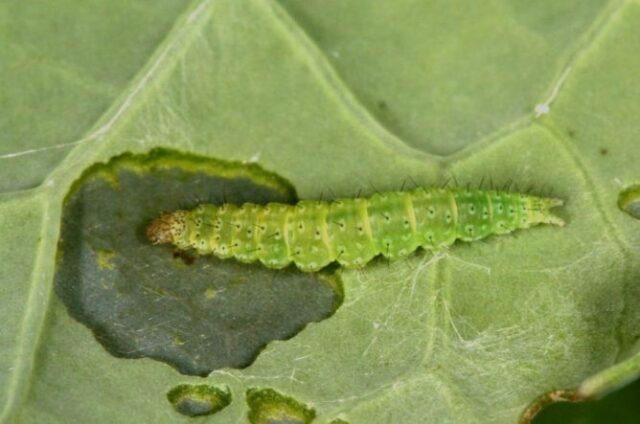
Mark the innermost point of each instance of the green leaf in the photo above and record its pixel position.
(63, 66)
(337, 98)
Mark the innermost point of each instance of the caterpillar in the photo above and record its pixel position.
(313, 234)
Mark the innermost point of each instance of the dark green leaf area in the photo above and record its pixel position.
(197, 400)
(195, 313)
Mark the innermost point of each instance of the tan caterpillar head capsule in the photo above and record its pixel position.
(163, 229)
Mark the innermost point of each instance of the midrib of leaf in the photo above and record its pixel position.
(52, 192)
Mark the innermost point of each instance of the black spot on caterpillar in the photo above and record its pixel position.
(312, 234)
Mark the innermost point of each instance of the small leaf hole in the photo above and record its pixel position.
(198, 400)
(629, 200)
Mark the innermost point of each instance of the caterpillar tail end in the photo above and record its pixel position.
(160, 230)
(548, 217)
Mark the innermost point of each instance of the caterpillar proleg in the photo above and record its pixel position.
(313, 234)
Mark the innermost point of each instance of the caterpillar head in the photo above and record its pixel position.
(165, 228)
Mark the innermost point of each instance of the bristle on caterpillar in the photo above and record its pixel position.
(313, 234)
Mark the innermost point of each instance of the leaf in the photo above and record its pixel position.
(64, 67)
(340, 97)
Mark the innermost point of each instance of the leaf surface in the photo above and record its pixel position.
(340, 98)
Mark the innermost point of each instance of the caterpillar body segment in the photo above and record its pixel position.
(312, 234)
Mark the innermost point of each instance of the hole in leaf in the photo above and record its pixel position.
(196, 313)
(620, 407)
(269, 406)
(198, 400)
(629, 201)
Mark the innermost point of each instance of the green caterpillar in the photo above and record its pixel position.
(312, 234)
